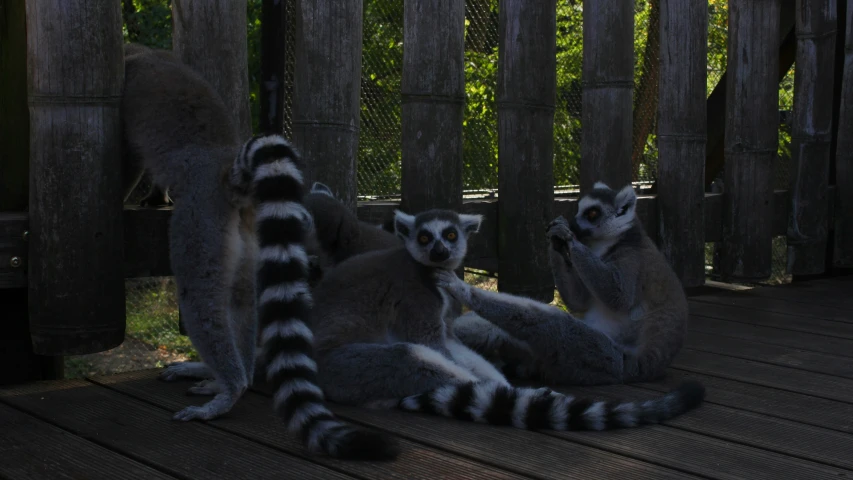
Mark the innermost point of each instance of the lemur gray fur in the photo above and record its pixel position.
(634, 308)
(338, 234)
(382, 341)
(236, 249)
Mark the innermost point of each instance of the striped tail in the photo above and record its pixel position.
(544, 409)
(270, 169)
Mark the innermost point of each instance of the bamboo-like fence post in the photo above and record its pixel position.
(433, 96)
(75, 66)
(752, 138)
(682, 137)
(527, 90)
(211, 36)
(326, 92)
(608, 89)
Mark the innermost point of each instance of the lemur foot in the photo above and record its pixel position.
(205, 388)
(184, 370)
(455, 286)
(221, 404)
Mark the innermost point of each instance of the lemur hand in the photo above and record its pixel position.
(560, 234)
(455, 286)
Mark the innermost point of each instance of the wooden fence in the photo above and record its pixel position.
(69, 262)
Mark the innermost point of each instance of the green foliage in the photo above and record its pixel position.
(149, 22)
(379, 153)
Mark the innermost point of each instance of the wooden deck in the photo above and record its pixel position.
(777, 362)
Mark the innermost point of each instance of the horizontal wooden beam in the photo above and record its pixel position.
(146, 232)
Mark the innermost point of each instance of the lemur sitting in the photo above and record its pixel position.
(236, 244)
(604, 265)
(382, 341)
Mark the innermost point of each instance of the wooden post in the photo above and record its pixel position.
(526, 94)
(843, 254)
(211, 37)
(14, 127)
(75, 76)
(682, 135)
(715, 149)
(327, 88)
(433, 96)
(811, 137)
(608, 88)
(19, 362)
(273, 25)
(752, 138)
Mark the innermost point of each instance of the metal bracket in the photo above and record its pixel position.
(13, 249)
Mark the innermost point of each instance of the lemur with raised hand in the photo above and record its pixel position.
(634, 309)
(382, 342)
(236, 250)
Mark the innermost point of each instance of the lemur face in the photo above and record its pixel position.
(604, 213)
(437, 238)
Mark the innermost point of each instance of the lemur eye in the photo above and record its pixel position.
(592, 214)
(423, 239)
(451, 235)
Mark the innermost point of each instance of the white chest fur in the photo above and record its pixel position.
(605, 320)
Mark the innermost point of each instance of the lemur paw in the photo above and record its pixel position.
(455, 286)
(205, 388)
(192, 413)
(559, 233)
(182, 370)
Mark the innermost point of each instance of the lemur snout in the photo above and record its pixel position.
(439, 253)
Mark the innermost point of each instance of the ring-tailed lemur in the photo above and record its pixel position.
(336, 235)
(604, 264)
(236, 251)
(382, 341)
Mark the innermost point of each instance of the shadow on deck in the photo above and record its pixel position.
(777, 362)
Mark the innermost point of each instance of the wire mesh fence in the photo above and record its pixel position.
(153, 337)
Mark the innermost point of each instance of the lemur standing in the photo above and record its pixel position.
(604, 264)
(236, 249)
(382, 341)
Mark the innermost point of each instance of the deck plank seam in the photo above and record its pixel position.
(713, 301)
(789, 390)
(698, 328)
(766, 362)
(309, 458)
(767, 448)
(90, 439)
(738, 406)
(797, 330)
(501, 467)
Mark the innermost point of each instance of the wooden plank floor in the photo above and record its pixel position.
(777, 363)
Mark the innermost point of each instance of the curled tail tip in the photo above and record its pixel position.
(359, 444)
(691, 393)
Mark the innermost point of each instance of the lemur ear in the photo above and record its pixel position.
(601, 185)
(403, 224)
(322, 188)
(626, 201)
(470, 223)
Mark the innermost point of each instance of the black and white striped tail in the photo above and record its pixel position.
(270, 169)
(544, 409)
